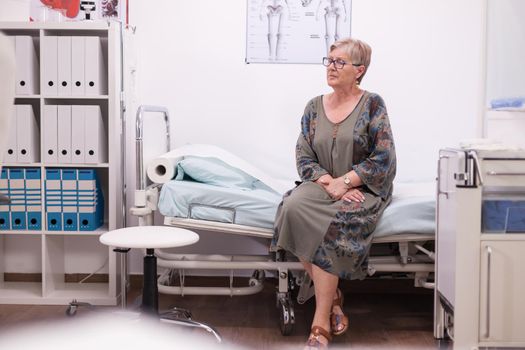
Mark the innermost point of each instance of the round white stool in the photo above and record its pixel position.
(151, 238)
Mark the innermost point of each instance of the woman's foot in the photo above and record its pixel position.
(318, 339)
(338, 320)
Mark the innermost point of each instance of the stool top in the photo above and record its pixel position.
(149, 237)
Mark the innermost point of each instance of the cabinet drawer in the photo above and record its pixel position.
(502, 287)
(505, 172)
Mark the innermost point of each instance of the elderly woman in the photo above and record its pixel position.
(346, 160)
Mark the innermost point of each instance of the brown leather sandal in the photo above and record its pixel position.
(338, 322)
(313, 340)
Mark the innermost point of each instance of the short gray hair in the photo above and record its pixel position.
(359, 51)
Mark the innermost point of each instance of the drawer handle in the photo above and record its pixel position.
(487, 305)
(496, 173)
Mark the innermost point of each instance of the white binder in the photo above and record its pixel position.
(49, 133)
(26, 73)
(78, 57)
(11, 147)
(96, 80)
(27, 135)
(77, 134)
(95, 136)
(64, 134)
(49, 57)
(64, 66)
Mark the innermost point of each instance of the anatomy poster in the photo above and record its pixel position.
(294, 31)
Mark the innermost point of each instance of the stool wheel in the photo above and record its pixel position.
(71, 310)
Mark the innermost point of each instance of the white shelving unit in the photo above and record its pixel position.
(53, 255)
(504, 69)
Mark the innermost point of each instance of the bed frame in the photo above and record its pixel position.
(411, 259)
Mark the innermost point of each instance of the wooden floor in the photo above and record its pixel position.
(384, 314)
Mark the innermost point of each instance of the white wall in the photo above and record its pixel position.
(14, 10)
(506, 29)
(426, 63)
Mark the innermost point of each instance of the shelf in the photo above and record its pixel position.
(80, 25)
(97, 97)
(68, 165)
(79, 165)
(27, 96)
(95, 293)
(25, 165)
(20, 292)
(21, 232)
(31, 293)
(99, 231)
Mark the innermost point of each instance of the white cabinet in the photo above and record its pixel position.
(55, 245)
(480, 279)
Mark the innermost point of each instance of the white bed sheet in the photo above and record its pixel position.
(412, 210)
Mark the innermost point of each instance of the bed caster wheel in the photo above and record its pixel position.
(71, 310)
(286, 317)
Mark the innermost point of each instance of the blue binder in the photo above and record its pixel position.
(53, 196)
(69, 200)
(33, 198)
(17, 197)
(90, 200)
(5, 219)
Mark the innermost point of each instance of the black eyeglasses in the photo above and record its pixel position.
(338, 63)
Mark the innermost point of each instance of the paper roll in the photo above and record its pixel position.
(163, 169)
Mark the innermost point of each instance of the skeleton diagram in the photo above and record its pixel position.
(332, 11)
(274, 10)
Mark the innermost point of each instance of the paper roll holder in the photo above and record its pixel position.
(143, 196)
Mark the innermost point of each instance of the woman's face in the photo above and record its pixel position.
(341, 77)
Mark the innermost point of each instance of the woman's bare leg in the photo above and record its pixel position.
(325, 285)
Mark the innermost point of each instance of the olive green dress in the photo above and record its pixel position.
(335, 234)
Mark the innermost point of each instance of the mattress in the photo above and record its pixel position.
(408, 213)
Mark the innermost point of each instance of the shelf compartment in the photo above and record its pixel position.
(70, 254)
(22, 255)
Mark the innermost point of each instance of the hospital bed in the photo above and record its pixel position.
(405, 232)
